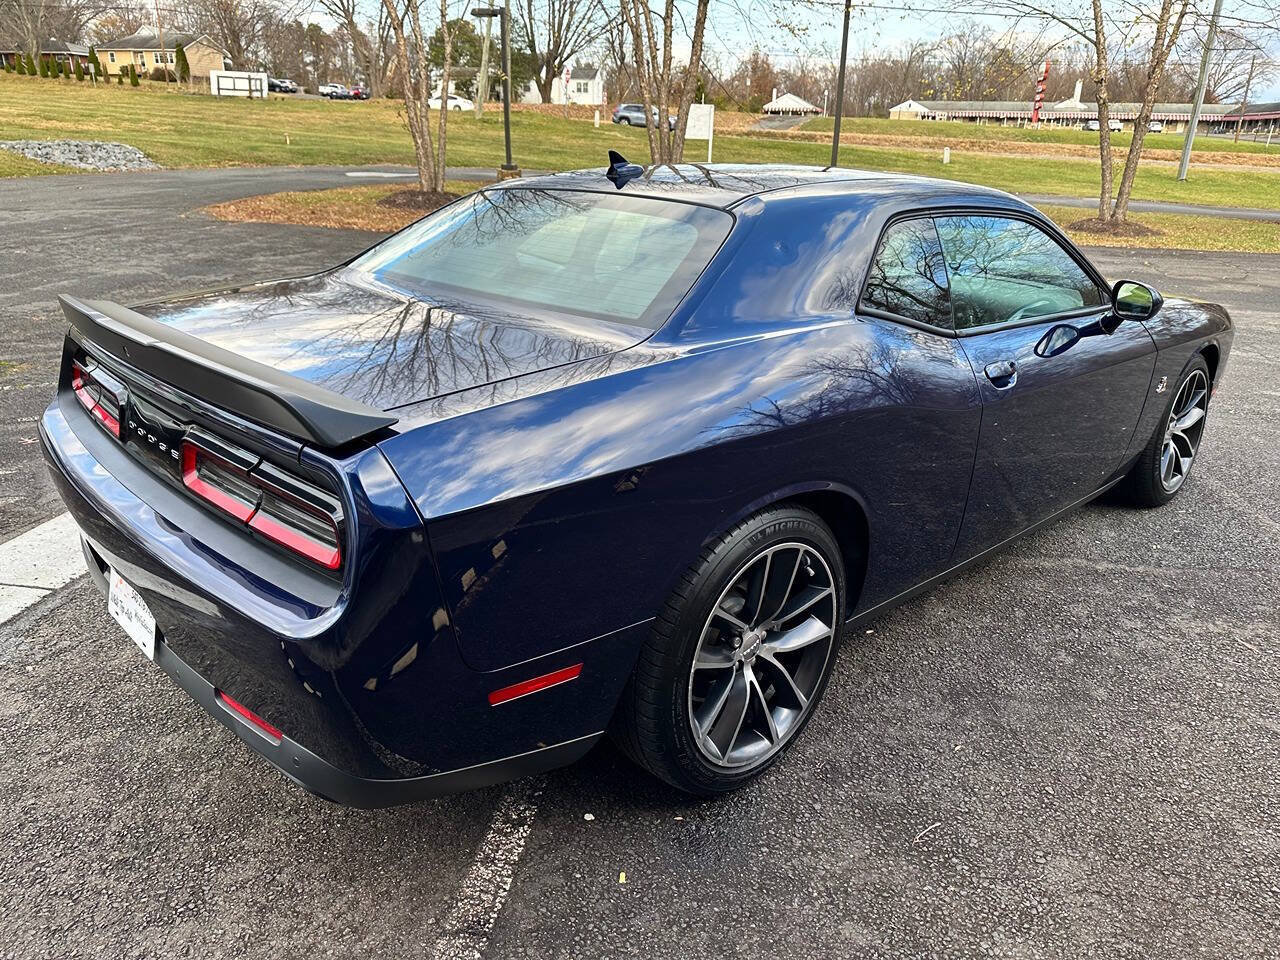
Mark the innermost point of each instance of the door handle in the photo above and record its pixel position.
(1003, 374)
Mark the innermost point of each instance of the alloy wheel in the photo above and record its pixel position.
(1183, 431)
(762, 655)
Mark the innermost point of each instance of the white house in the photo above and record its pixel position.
(586, 87)
(790, 105)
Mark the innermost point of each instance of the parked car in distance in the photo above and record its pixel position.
(632, 114)
(358, 93)
(1155, 126)
(415, 524)
(456, 103)
(1093, 125)
(334, 91)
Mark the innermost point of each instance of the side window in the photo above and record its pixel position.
(908, 276)
(1004, 270)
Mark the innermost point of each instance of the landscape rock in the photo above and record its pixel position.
(83, 154)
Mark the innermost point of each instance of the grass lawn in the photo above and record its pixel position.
(357, 208)
(179, 130)
(15, 165)
(1177, 231)
(957, 130)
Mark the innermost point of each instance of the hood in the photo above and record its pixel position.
(373, 344)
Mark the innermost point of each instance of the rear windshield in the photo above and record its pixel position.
(618, 258)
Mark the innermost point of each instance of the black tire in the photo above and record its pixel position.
(652, 724)
(1143, 486)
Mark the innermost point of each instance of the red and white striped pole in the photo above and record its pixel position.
(1039, 98)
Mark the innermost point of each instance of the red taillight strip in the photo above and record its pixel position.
(321, 553)
(96, 409)
(526, 687)
(206, 491)
(235, 706)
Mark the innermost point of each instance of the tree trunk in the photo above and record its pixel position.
(1104, 114)
(691, 81)
(1161, 47)
(416, 92)
(636, 12)
(447, 36)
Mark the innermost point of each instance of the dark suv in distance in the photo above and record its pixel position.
(632, 114)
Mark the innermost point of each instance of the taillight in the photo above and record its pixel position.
(102, 403)
(283, 509)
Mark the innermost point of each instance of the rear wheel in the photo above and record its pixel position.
(624, 121)
(1166, 461)
(739, 656)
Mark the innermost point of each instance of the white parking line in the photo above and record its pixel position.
(484, 889)
(35, 563)
(379, 175)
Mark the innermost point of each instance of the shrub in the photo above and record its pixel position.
(20, 66)
(133, 75)
(120, 79)
(79, 72)
(160, 73)
(31, 67)
(44, 67)
(180, 64)
(97, 64)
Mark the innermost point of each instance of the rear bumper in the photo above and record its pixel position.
(317, 775)
(375, 703)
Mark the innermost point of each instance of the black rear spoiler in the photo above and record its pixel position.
(242, 386)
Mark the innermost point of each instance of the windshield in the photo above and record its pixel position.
(619, 258)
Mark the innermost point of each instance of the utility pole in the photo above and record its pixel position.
(1200, 85)
(1248, 82)
(844, 56)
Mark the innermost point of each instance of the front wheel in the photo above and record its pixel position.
(739, 656)
(624, 121)
(1166, 461)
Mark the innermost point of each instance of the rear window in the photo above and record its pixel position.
(618, 258)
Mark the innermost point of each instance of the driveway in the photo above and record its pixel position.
(1069, 750)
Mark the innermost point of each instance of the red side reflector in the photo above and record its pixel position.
(245, 713)
(526, 687)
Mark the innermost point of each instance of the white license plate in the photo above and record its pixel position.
(131, 612)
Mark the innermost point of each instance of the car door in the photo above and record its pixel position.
(1061, 396)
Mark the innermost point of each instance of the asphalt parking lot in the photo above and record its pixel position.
(1073, 749)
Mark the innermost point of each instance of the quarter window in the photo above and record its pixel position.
(1004, 270)
(908, 276)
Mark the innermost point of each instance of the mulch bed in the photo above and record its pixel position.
(423, 202)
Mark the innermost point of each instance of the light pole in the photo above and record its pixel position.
(1200, 86)
(508, 170)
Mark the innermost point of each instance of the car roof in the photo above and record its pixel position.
(725, 185)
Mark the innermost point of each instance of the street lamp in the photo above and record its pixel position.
(508, 170)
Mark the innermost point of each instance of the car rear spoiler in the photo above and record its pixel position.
(225, 379)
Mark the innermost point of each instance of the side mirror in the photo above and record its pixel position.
(1131, 300)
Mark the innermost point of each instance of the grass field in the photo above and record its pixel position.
(15, 165)
(956, 130)
(357, 208)
(179, 130)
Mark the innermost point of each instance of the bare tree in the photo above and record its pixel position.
(346, 13)
(1092, 24)
(414, 76)
(32, 22)
(554, 32)
(655, 71)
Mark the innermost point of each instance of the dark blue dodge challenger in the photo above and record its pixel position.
(601, 452)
